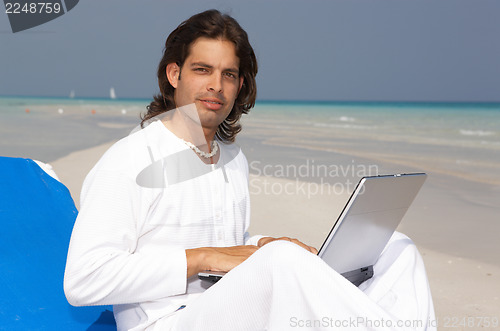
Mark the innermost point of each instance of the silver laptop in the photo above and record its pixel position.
(367, 222)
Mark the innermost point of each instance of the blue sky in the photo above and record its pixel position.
(397, 50)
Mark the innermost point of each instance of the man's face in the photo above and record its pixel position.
(209, 78)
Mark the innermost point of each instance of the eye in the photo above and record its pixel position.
(200, 69)
(230, 75)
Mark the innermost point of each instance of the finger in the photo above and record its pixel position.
(301, 244)
(230, 257)
(284, 238)
(306, 247)
(293, 240)
(265, 240)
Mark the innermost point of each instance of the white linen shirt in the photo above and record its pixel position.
(147, 200)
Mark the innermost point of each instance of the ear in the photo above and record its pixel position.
(172, 73)
(241, 84)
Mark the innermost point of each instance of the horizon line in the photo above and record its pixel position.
(295, 101)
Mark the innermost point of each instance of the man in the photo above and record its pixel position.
(172, 200)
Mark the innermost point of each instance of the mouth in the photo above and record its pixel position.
(212, 103)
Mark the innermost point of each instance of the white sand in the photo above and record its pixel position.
(461, 287)
(73, 168)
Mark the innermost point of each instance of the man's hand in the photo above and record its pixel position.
(216, 258)
(226, 258)
(266, 240)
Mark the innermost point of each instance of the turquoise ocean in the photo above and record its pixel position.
(455, 138)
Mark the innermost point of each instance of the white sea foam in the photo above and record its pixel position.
(490, 143)
(346, 119)
(478, 133)
(343, 126)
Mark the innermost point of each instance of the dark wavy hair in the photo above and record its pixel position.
(213, 25)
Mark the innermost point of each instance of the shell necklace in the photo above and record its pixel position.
(215, 148)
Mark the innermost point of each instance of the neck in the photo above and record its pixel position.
(187, 129)
(209, 135)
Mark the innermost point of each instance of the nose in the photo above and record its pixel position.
(215, 83)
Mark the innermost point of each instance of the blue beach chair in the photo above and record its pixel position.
(37, 215)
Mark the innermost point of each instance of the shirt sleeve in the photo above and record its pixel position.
(104, 265)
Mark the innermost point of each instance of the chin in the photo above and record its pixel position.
(211, 120)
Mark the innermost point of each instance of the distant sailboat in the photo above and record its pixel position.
(112, 93)
(72, 94)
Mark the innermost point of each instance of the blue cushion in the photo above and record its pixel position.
(37, 215)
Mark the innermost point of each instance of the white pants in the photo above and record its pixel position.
(282, 286)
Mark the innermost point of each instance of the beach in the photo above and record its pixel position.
(304, 162)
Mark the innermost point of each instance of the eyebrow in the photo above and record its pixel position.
(208, 66)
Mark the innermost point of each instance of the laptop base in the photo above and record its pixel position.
(359, 275)
(355, 276)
